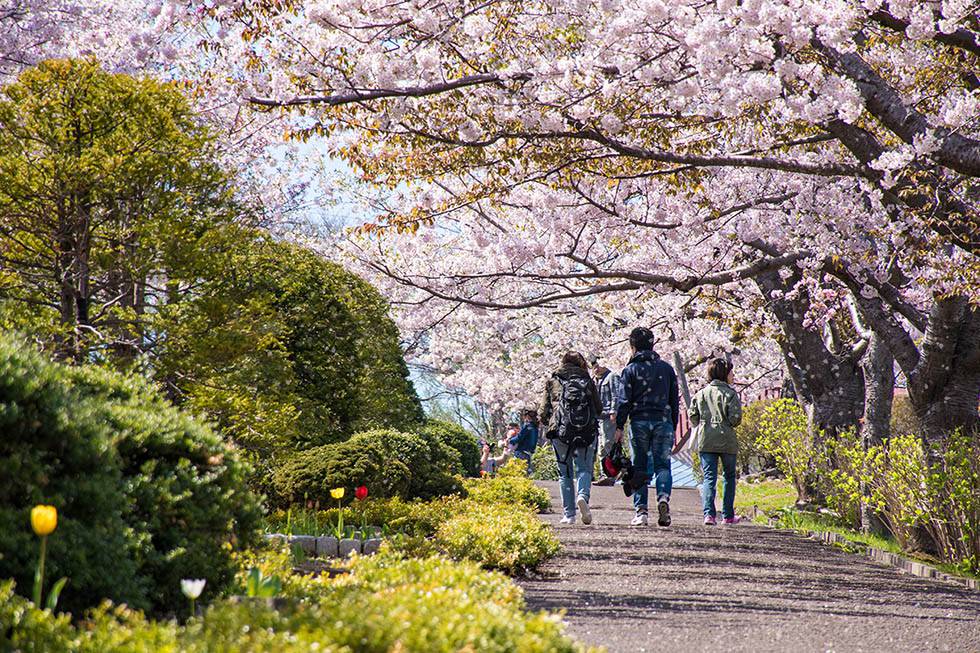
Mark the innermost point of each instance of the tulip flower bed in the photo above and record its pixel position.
(495, 525)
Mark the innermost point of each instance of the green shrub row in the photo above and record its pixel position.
(390, 463)
(385, 603)
(146, 495)
(495, 525)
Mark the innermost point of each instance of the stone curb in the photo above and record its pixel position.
(908, 565)
(326, 546)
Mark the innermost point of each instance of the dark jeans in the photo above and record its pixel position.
(525, 455)
(709, 465)
(653, 438)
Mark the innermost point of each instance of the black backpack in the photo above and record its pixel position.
(576, 419)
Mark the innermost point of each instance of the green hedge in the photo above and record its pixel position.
(146, 495)
(456, 437)
(390, 463)
(386, 603)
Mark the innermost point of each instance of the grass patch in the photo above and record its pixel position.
(768, 496)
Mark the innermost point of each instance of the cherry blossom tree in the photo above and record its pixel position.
(846, 128)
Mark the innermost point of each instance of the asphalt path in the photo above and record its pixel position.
(693, 588)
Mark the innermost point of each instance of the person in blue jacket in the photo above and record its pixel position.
(526, 440)
(651, 403)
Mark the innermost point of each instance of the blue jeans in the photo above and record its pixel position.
(709, 466)
(653, 438)
(574, 470)
(525, 455)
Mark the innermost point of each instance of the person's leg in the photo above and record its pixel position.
(709, 468)
(661, 444)
(728, 462)
(607, 433)
(584, 469)
(566, 481)
(641, 448)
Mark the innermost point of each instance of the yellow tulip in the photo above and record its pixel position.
(337, 493)
(44, 519)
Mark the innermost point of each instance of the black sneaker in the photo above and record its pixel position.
(663, 508)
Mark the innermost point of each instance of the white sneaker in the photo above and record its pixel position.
(583, 507)
(641, 519)
(567, 520)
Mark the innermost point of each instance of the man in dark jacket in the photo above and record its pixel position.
(575, 465)
(651, 403)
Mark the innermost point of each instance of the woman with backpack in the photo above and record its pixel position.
(716, 410)
(569, 418)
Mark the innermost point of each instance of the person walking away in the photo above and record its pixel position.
(609, 386)
(651, 403)
(569, 415)
(526, 440)
(716, 410)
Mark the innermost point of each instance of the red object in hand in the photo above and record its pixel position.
(361, 492)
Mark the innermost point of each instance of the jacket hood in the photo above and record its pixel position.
(645, 357)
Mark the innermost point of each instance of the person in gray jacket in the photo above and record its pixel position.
(610, 388)
(716, 410)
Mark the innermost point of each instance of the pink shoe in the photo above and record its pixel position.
(731, 521)
(709, 520)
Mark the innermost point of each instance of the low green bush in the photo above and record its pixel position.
(385, 603)
(912, 494)
(390, 463)
(510, 485)
(498, 536)
(146, 495)
(783, 434)
(457, 438)
(544, 465)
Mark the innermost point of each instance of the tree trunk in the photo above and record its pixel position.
(946, 382)
(828, 384)
(879, 374)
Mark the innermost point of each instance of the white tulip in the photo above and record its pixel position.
(192, 588)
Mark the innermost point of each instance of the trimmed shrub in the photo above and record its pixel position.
(146, 495)
(544, 465)
(498, 536)
(309, 475)
(783, 434)
(456, 437)
(386, 603)
(390, 463)
(510, 485)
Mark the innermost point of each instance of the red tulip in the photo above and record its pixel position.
(361, 492)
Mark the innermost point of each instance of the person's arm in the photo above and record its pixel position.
(693, 413)
(545, 411)
(733, 409)
(674, 397)
(625, 400)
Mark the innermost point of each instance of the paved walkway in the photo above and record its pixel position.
(741, 588)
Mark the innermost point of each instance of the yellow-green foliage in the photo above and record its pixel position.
(498, 536)
(942, 496)
(510, 485)
(782, 433)
(386, 603)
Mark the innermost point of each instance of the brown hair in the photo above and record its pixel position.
(574, 358)
(718, 370)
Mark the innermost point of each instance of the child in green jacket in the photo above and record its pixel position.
(717, 410)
